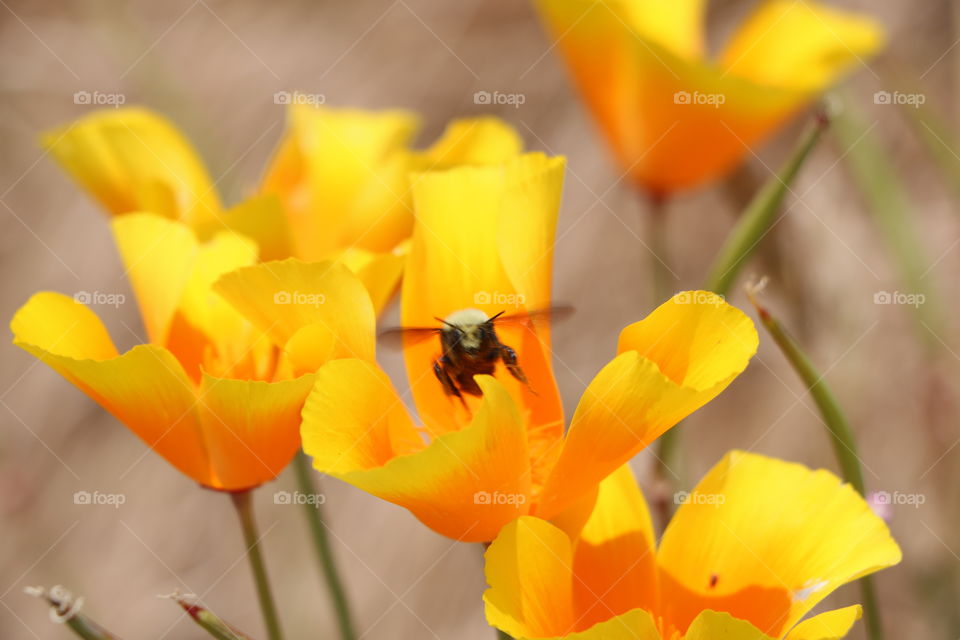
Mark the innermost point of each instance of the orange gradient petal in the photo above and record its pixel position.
(465, 485)
(671, 363)
(251, 428)
(145, 388)
(483, 239)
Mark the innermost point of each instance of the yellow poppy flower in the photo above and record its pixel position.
(483, 239)
(336, 189)
(673, 116)
(748, 554)
(215, 396)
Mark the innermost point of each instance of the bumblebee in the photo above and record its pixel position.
(470, 346)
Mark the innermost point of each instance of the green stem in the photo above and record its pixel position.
(661, 277)
(63, 604)
(208, 620)
(503, 635)
(321, 543)
(759, 215)
(838, 428)
(243, 502)
(657, 245)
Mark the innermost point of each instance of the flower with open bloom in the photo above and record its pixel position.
(213, 394)
(748, 554)
(676, 118)
(483, 240)
(336, 189)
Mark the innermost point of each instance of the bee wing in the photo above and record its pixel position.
(395, 338)
(537, 317)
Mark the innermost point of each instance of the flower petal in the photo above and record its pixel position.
(766, 540)
(473, 141)
(206, 310)
(676, 26)
(342, 176)
(800, 44)
(675, 119)
(671, 363)
(529, 570)
(159, 256)
(829, 625)
(135, 160)
(632, 625)
(615, 559)
(282, 298)
(464, 485)
(477, 229)
(379, 272)
(145, 388)
(252, 428)
(713, 625)
(260, 218)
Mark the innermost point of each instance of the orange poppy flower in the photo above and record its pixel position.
(676, 118)
(336, 189)
(483, 240)
(214, 395)
(748, 554)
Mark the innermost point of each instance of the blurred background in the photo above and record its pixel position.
(213, 67)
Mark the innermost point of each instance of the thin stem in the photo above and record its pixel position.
(243, 502)
(660, 273)
(661, 277)
(837, 427)
(321, 543)
(208, 620)
(67, 610)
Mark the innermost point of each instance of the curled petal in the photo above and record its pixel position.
(670, 364)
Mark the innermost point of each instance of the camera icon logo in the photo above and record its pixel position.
(282, 297)
(82, 97)
(482, 297)
(482, 97)
(882, 97)
(882, 297)
(282, 497)
(82, 497)
(681, 97)
(481, 497)
(282, 97)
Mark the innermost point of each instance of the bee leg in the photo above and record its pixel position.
(509, 357)
(447, 383)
